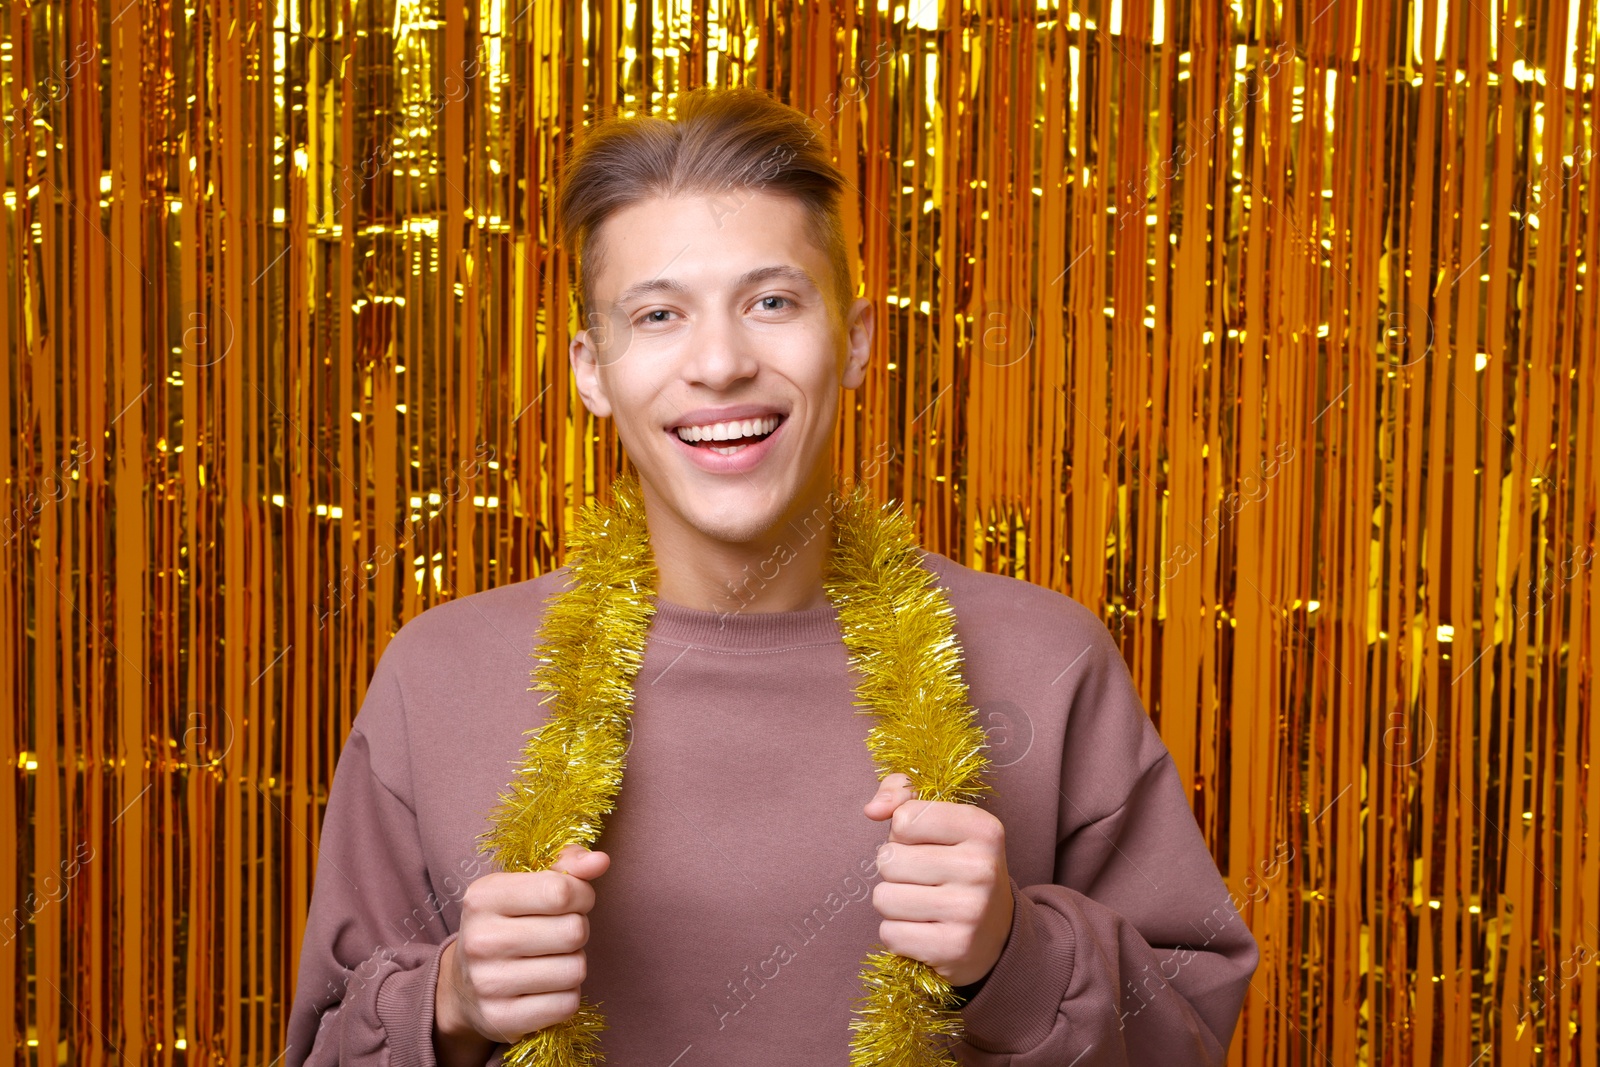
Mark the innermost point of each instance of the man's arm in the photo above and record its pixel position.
(374, 936)
(1136, 954)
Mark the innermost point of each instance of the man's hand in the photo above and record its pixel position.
(945, 896)
(518, 962)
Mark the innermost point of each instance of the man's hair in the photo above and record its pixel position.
(724, 142)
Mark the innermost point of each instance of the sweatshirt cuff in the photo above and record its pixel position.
(405, 1008)
(1016, 1006)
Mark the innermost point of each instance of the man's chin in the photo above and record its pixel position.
(739, 522)
(733, 510)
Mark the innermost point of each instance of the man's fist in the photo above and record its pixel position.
(518, 962)
(945, 897)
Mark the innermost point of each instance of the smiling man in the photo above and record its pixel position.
(754, 858)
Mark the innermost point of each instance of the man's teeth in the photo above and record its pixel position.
(729, 431)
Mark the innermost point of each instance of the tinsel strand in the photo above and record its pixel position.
(592, 644)
(899, 628)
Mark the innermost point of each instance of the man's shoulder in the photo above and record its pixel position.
(505, 612)
(466, 618)
(1001, 604)
(439, 672)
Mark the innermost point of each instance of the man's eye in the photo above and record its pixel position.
(764, 299)
(646, 317)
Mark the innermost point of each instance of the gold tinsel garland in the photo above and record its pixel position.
(899, 629)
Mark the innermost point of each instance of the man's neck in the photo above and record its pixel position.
(781, 571)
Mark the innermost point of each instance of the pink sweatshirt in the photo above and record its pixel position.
(732, 924)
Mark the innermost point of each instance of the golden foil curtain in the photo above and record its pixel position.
(1265, 330)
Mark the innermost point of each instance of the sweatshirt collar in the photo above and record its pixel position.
(744, 630)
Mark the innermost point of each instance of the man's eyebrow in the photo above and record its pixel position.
(758, 274)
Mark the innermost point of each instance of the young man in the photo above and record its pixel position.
(754, 859)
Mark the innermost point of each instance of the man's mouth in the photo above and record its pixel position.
(728, 438)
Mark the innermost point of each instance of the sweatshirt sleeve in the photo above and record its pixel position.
(1136, 952)
(374, 933)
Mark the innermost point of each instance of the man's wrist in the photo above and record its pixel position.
(972, 989)
(455, 1042)
(967, 992)
(473, 1051)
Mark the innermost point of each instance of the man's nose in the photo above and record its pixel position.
(721, 352)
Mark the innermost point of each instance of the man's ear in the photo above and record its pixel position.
(859, 325)
(585, 359)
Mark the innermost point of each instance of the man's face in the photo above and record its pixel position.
(716, 320)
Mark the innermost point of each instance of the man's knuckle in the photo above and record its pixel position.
(573, 931)
(504, 1021)
(490, 984)
(549, 893)
(475, 944)
(978, 871)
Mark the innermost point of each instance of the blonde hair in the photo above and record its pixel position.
(730, 140)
